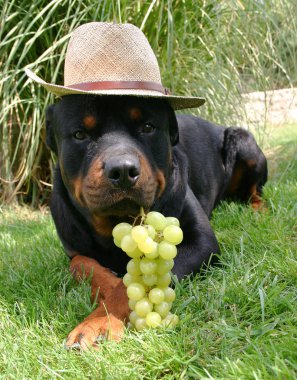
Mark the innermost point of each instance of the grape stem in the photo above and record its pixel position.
(140, 215)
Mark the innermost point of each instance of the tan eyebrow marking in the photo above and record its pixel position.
(135, 113)
(89, 121)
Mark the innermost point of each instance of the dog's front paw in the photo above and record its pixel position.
(87, 334)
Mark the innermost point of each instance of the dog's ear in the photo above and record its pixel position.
(173, 127)
(50, 137)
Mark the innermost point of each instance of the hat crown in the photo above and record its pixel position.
(107, 59)
(99, 51)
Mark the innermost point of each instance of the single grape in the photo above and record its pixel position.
(133, 267)
(136, 254)
(169, 294)
(140, 324)
(132, 304)
(164, 280)
(156, 295)
(139, 233)
(156, 219)
(117, 242)
(151, 231)
(153, 319)
(128, 244)
(162, 308)
(170, 320)
(135, 291)
(132, 317)
(143, 307)
(147, 246)
(129, 278)
(121, 230)
(147, 266)
(154, 253)
(167, 250)
(164, 266)
(172, 221)
(173, 234)
(149, 279)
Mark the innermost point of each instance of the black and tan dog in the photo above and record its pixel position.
(116, 154)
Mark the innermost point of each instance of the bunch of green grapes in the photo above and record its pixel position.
(152, 248)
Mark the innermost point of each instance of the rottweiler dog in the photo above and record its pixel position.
(116, 154)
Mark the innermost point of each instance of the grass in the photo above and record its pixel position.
(239, 321)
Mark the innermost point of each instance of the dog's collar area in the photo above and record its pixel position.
(120, 85)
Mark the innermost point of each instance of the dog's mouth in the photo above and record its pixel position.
(118, 202)
(125, 207)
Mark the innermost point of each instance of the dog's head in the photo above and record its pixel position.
(114, 153)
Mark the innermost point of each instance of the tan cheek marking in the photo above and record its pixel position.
(146, 173)
(95, 175)
(161, 182)
(102, 225)
(89, 121)
(76, 185)
(135, 114)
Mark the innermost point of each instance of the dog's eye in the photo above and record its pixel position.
(79, 135)
(147, 128)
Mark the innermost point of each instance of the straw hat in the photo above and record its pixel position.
(113, 59)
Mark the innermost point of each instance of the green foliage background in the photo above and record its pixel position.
(217, 49)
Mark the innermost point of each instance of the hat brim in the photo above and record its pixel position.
(176, 102)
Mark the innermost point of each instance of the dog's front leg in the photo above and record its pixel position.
(199, 243)
(109, 318)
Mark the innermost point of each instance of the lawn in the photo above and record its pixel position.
(238, 321)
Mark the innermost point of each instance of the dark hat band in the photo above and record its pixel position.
(119, 85)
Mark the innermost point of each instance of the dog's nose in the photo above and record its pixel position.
(122, 171)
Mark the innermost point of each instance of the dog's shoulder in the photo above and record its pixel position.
(191, 126)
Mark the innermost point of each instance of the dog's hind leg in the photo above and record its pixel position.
(245, 167)
(109, 318)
